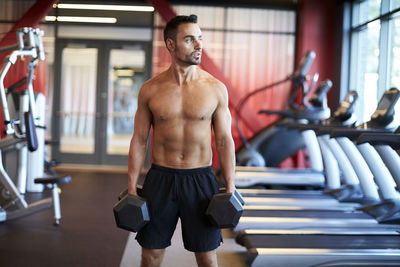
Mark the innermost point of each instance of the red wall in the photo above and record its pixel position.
(315, 30)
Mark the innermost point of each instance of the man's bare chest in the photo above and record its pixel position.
(170, 105)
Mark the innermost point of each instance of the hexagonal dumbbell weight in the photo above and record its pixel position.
(131, 212)
(225, 209)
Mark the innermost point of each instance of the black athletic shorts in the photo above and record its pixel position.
(179, 193)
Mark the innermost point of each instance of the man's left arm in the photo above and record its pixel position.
(223, 139)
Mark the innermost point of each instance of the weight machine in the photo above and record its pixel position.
(21, 134)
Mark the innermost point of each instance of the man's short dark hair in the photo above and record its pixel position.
(171, 28)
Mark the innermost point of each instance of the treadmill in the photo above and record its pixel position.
(265, 217)
(270, 175)
(346, 192)
(331, 247)
(344, 116)
(267, 199)
(379, 172)
(312, 248)
(386, 144)
(306, 241)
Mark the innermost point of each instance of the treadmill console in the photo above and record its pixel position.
(385, 111)
(345, 109)
(318, 99)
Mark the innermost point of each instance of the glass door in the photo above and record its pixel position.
(128, 69)
(97, 99)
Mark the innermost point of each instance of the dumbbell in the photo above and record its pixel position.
(122, 194)
(131, 212)
(225, 209)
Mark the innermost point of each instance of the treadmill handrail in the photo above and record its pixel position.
(308, 113)
(354, 133)
(326, 129)
(390, 139)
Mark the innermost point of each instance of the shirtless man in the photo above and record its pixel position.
(182, 104)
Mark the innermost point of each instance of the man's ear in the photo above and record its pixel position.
(170, 44)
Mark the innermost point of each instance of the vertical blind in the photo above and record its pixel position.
(252, 47)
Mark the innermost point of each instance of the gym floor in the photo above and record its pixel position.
(88, 235)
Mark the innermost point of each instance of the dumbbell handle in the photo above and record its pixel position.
(236, 193)
(239, 197)
(122, 194)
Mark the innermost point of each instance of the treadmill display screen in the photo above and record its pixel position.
(387, 101)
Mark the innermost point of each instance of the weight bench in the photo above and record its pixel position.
(53, 182)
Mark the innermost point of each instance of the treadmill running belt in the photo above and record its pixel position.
(317, 214)
(322, 241)
(285, 195)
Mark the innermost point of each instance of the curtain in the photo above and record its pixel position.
(253, 48)
(79, 91)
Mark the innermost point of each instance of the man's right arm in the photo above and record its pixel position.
(138, 145)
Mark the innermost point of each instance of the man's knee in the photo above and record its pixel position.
(206, 259)
(152, 257)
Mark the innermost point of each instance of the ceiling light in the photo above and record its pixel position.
(106, 7)
(125, 72)
(81, 19)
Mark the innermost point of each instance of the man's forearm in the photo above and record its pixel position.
(137, 152)
(226, 154)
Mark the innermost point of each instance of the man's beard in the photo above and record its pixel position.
(191, 60)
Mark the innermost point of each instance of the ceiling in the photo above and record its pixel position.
(285, 4)
(145, 19)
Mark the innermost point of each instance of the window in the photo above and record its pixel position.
(375, 53)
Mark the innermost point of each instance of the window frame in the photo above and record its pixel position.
(349, 79)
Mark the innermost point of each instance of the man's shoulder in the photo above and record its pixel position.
(150, 86)
(155, 81)
(217, 87)
(212, 81)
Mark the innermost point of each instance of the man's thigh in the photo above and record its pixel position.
(163, 211)
(199, 234)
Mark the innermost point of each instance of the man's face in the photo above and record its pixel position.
(188, 44)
